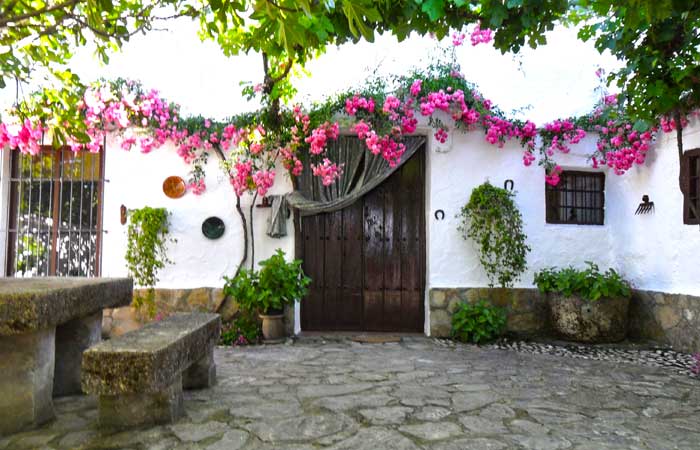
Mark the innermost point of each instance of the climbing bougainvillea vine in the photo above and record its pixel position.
(381, 115)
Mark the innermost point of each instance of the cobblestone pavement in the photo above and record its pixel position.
(416, 394)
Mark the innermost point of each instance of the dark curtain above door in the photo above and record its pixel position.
(362, 171)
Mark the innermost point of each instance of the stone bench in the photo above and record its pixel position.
(139, 376)
(45, 324)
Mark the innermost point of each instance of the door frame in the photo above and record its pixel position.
(424, 227)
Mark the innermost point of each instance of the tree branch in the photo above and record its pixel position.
(37, 12)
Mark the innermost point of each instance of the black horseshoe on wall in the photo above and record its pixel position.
(507, 183)
(439, 214)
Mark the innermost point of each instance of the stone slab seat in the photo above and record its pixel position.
(45, 324)
(139, 376)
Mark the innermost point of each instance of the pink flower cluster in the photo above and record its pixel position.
(197, 187)
(328, 171)
(263, 180)
(25, 137)
(552, 176)
(357, 103)
(620, 147)
(562, 134)
(480, 36)
(458, 39)
(320, 135)
(240, 176)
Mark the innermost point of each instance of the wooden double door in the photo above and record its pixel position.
(367, 261)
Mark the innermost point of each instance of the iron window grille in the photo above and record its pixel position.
(690, 174)
(55, 226)
(578, 199)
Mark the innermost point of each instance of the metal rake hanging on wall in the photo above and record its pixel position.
(645, 207)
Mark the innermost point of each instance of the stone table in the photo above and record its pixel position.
(45, 324)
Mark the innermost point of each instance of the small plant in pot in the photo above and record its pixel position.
(278, 283)
(586, 305)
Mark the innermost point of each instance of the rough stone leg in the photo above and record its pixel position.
(26, 380)
(72, 338)
(201, 374)
(134, 410)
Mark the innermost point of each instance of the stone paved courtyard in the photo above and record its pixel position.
(416, 394)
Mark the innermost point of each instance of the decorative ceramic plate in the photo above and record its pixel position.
(213, 227)
(174, 187)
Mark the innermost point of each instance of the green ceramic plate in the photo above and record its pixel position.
(213, 227)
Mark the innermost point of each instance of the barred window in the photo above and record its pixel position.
(55, 213)
(690, 173)
(578, 199)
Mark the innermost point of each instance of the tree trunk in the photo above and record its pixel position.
(252, 234)
(244, 224)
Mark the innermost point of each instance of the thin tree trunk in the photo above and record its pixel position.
(252, 234)
(244, 224)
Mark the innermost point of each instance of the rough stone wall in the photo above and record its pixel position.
(670, 319)
(118, 321)
(527, 311)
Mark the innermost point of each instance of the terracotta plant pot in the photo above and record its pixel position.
(600, 321)
(273, 326)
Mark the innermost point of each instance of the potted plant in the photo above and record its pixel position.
(278, 283)
(586, 305)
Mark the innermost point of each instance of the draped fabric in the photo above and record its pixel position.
(277, 222)
(362, 171)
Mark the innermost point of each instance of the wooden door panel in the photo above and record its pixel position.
(351, 317)
(367, 261)
(333, 267)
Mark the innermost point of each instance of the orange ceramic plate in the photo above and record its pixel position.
(174, 187)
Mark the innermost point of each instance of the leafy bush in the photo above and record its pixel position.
(590, 283)
(478, 322)
(146, 250)
(276, 284)
(493, 221)
(244, 330)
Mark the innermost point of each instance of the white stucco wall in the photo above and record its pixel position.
(655, 251)
(135, 180)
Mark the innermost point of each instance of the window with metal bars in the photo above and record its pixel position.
(578, 199)
(55, 213)
(690, 172)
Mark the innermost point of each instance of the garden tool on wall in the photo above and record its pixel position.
(645, 207)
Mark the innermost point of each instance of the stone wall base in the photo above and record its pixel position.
(527, 313)
(118, 321)
(669, 319)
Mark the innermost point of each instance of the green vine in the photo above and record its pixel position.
(494, 222)
(146, 249)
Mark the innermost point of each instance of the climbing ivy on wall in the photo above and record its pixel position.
(492, 220)
(146, 250)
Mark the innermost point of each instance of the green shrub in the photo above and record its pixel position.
(243, 330)
(590, 283)
(492, 220)
(146, 251)
(478, 322)
(276, 284)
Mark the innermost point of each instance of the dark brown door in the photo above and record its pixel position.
(367, 261)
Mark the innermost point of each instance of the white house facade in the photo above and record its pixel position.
(656, 251)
